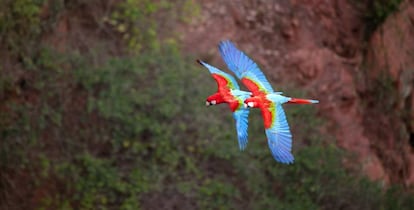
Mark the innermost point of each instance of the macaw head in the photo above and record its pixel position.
(214, 99)
(252, 102)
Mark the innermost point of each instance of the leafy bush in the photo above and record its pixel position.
(377, 12)
(141, 22)
(21, 19)
(153, 134)
(381, 9)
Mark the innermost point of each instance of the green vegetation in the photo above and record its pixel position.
(381, 9)
(21, 19)
(139, 21)
(132, 132)
(377, 12)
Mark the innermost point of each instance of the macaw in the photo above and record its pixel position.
(228, 91)
(277, 130)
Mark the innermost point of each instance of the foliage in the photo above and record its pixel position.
(21, 19)
(216, 194)
(139, 21)
(377, 12)
(381, 9)
(22, 22)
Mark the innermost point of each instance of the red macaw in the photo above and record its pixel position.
(263, 97)
(228, 91)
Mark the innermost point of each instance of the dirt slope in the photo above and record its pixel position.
(364, 82)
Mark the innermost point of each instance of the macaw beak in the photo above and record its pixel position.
(245, 105)
(208, 103)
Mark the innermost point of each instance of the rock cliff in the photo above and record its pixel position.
(363, 75)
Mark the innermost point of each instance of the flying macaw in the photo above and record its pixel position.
(228, 91)
(270, 103)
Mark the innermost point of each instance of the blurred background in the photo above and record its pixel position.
(102, 104)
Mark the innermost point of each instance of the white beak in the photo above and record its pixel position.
(207, 103)
(245, 105)
(250, 104)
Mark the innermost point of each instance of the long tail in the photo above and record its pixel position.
(200, 62)
(302, 101)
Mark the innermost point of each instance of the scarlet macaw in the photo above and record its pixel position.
(228, 91)
(263, 97)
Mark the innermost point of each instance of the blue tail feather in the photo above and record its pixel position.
(241, 117)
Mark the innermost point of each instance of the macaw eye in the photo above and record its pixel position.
(213, 102)
(250, 104)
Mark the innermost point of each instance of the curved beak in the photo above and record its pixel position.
(245, 105)
(208, 103)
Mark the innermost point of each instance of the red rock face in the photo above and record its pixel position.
(390, 59)
(365, 87)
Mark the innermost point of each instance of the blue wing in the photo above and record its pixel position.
(279, 137)
(231, 82)
(241, 116)
(242, 66)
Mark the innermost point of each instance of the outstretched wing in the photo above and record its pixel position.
(244, 68)
(278, 133)
(223, 79)
(241, 116)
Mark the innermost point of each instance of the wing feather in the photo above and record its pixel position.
(222, 78)
(244, 68)
(241, 116)
(278, 134)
